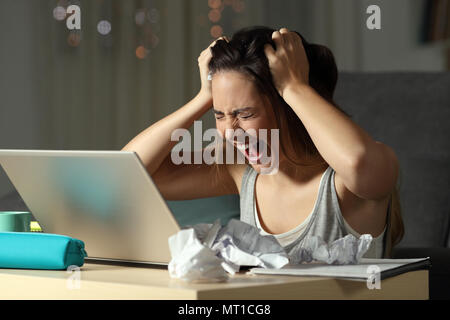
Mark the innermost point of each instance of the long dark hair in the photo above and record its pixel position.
(245, 53)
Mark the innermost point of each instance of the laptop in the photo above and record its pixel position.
(107, 199)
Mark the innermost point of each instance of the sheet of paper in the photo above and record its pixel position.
(360, 271)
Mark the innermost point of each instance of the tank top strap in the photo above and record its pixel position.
(247, 196)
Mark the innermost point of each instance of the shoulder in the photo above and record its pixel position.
(344, 195)
(364, 216)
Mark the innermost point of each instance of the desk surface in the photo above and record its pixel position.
(102, 281)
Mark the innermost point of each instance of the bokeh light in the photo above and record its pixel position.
(148, 19)
(59, 13)
(141, 52)
(216, 31)
(214, 4)
(238, 6)
(214, 15)
(74, 39)
(140, 17)
(104, 27)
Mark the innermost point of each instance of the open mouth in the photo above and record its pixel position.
(253, 151)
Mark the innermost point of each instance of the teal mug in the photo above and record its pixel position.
(15, 221)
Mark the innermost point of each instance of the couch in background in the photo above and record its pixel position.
(411, 113)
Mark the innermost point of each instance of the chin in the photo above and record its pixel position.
(256, 156)
(264, 169)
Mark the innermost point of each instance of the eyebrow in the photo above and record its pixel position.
(234, 111)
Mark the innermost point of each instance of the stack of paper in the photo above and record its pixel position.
(361, 271)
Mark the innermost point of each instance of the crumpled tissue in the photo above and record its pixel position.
(206, 252)
(346, 250)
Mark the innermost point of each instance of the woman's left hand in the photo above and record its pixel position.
(288, 64)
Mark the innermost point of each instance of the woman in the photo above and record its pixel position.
(333, 178)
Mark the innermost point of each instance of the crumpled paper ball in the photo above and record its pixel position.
(207, 252)
(193, 261)
(346, 250)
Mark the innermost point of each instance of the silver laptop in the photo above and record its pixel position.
(104, 198)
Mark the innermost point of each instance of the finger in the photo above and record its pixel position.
(270, 52)
(286, 35)
(296, 40)
(221, 38)
(213, 43)
(278, 39)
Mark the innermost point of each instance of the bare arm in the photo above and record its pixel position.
(183, 181)
(154, 145)
(369, 169)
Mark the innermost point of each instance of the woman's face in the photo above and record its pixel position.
(238, 105)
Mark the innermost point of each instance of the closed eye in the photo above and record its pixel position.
(219, 115)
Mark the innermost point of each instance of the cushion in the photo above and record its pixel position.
(207, 210)
(409, 112)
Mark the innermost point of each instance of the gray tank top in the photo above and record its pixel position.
(326, 219)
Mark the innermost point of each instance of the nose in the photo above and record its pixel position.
(228, 127)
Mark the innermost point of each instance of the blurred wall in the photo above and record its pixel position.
(99, 94)
(341, 25)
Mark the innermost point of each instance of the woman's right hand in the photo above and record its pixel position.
(203, 62)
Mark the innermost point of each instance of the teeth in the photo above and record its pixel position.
(242, 146)
(251, 150)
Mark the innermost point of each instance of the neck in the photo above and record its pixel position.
(289, 172)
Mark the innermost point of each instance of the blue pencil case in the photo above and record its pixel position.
(31, 250)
